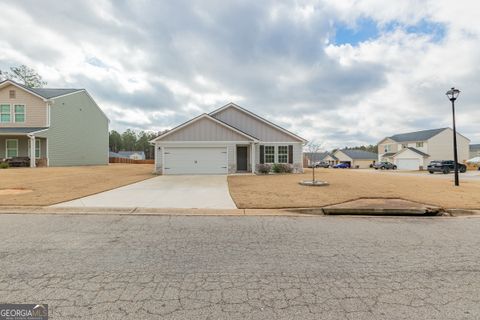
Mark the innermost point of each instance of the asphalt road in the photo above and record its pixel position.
(154, 267)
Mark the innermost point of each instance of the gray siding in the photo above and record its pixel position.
(78, 133)
(205, 130)
(253, 126)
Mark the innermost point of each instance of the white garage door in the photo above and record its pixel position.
(208, 160)
(408, 164)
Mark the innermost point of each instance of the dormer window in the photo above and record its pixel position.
(419, 144)
(12, 94)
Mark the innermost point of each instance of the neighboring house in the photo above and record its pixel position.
(415, 150)
(228, 140)
(112, 154)
(355, 158)
(134, 155)
(56, 127)
(311, 157)
(474, 151)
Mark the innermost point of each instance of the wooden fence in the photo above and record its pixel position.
(125, 160)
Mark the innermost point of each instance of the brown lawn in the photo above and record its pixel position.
(283, 191)
(46, 186)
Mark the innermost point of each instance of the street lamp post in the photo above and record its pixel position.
(452, 95)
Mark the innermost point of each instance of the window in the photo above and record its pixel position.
(282, 154)
(419, 144)
(388, 148)
(19, 113)
(37, 148)
(12, 94)
(5, 113)
(12, 148)
(405, 145)
(269, 154)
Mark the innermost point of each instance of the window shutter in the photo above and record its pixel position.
(290, 154)
(262, 154)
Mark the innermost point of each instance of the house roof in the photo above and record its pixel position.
(474, 147)
(360, 154)
(202, 116)
(21, 131)
(112, 154)
(233, 105)
(417, 135)
(129, 153)
(389, 154)
(45, 93)
(317, 156)
(416, 151)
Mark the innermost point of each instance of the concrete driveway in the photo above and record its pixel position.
(210, 191)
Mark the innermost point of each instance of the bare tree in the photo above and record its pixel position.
(24, 75)
(313, 148)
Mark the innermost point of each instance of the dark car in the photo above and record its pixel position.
(384, 165)
(445, 166)
(342, 166)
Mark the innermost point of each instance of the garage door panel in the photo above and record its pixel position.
(408, 164)
(196, 160)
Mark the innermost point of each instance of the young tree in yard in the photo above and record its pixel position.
(313, 149)
(115, 141)
(24, 75)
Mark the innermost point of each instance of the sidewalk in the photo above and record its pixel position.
(369, 207)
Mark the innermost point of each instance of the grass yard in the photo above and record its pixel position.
(283, 191)
(46, 186)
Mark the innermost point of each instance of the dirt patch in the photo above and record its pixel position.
(8, 192)
(47, 186)
(284, 191)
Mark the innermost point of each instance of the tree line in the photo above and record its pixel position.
(131, 140)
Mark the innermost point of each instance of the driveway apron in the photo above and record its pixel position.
(201, 191)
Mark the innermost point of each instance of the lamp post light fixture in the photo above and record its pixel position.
(452, 95)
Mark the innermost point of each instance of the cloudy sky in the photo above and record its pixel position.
(339, 72)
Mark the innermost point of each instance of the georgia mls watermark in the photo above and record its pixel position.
(23, 311)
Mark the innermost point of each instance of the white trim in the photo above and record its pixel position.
(6, 147)
(202, 116)
(39, 148)
(231, 104)
(67, 94)
(408, 148)
(9, 112)
(46, 150)
(163, 161)
(24, 113)
(200, 142)
(252, 157)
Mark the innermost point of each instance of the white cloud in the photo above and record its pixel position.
(154, 64)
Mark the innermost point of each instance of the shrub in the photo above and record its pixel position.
(282, 168)
(263, 168)
(4, 165)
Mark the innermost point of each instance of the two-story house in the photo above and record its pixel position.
(53, 127)
(415, 150)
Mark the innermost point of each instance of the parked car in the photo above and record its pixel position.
(342, 166)
(384, 165)
(319, 164)
(445, 166)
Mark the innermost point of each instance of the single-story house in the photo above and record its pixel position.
(355, 158)
(474, 151)
(415, 150)
(134, 155)
(312, 157)
(52, 127)
(228, 140)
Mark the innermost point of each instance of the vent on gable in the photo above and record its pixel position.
(12, 94)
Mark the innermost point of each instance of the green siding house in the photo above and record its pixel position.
(53, 127)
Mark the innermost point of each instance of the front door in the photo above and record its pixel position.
(242, 158)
